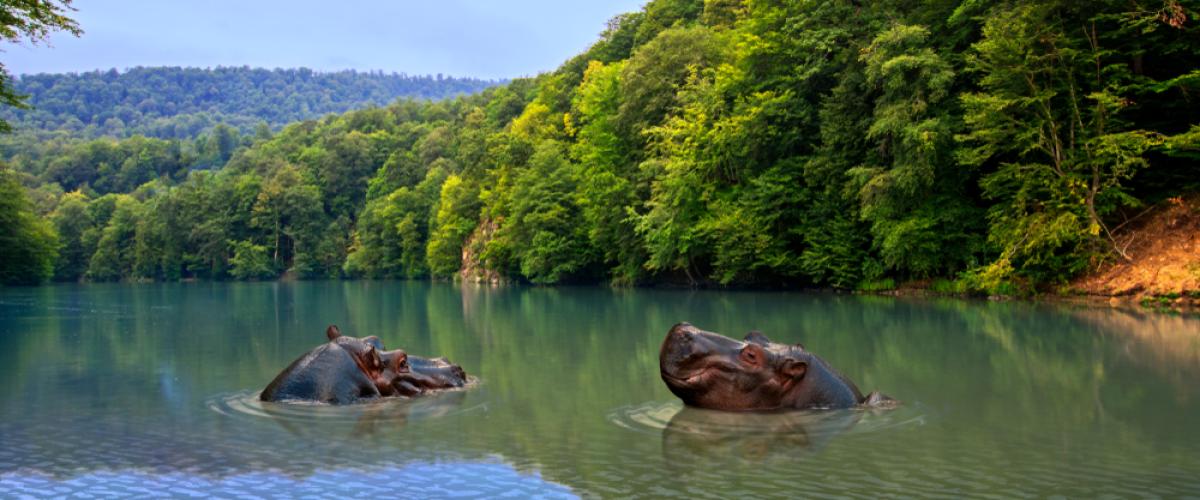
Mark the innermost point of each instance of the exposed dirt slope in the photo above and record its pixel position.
(473, 269)
(1164, 245)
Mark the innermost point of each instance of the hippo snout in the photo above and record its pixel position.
(679, 349)
(682, 331)
(679, 338)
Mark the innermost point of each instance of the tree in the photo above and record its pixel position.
(1050, 117)
(836, 143)
(31, 20)
(289, 209)
(250, 261)
(607, 193)
(456, 216)
(28, 245)
(546, 226)
(115, 256)
(186, 103)
(913, 195)
(72, 222)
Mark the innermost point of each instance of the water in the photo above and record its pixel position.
(149, 389)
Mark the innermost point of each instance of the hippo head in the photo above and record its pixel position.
(708, 370)
(383, 368)
(427, 374)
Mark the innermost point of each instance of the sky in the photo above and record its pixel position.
(477, 38)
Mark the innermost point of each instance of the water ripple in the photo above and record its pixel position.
(439, 404)
(419, 480)
(656, 416)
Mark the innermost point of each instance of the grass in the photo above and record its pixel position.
(949, 287)
(882, 285)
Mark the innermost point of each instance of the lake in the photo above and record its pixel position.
(148, 389)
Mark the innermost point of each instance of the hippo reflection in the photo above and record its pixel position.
(699, 434)
(348, 369)
(708, 370)
(369, 420)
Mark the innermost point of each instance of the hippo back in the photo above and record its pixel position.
(326, 374)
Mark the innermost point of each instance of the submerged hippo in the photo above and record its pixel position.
(343, 370)
(708, 370)
(348, 369)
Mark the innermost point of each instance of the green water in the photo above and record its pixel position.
(149, 389)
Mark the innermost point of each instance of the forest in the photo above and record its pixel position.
(989, 147)
(179, 103)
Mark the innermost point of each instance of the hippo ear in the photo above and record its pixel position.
(757, 337)
(332, 332)
(374, 362)
(374, 342)
(793, 368)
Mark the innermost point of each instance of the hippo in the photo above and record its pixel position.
(428, 374)
(709, 370)
(343, 370)
(423, 374)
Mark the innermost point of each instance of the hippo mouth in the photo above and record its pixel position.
(685, 380)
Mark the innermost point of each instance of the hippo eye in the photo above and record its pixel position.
(751, 355)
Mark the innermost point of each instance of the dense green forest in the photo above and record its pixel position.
(848, 144)
(180, 103)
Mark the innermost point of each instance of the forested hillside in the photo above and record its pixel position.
(849, 144)
(168, 102)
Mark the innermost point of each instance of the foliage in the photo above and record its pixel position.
(454, 220)
(180, 103)
(31, 20)
(979, 146)
(250, 261)
(28, 245)
(1054, 113)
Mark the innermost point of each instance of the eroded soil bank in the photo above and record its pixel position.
(1163, 268)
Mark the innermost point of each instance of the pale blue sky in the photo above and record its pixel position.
(480, 38)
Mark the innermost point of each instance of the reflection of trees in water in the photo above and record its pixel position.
(694, 437)
(132, 346)
(553, 362)
(1168, 345)
(288, 442)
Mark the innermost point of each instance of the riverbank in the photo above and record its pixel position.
(1162, 271)
(1162, 268)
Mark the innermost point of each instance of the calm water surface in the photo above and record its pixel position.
(147, 389)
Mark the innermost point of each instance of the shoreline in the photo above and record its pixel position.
(1187, 303)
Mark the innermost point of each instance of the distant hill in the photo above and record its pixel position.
(179, 102)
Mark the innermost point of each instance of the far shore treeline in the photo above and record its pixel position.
(847, 144)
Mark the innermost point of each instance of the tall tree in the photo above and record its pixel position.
(1057, 91)
(28, 245)
(73, 224)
